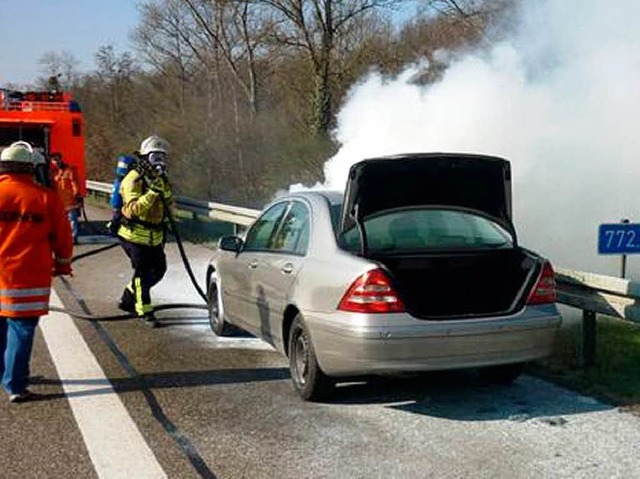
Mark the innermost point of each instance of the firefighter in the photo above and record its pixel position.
(35, 243)
(65, 181)
(145, 191)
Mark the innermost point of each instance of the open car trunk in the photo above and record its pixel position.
(441, 223)
(463, 284)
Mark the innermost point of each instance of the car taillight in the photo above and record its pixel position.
(372, 293)
(545, 289)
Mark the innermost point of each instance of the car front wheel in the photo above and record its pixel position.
(216, 320)
(308, 379)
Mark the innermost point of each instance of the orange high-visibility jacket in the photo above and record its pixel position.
(66, 182)
(33, 229)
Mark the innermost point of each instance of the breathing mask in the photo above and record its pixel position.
(158, 160)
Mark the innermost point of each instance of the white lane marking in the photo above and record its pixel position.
(116, 446)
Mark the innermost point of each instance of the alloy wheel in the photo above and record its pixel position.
(301, 358)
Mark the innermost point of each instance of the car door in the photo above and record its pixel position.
(238, 271)
(278, 270)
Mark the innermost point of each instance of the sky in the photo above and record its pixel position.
(30, 28)
(79, 27)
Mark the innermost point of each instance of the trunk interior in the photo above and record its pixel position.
(469, 284)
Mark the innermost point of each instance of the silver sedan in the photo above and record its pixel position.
(415, 267)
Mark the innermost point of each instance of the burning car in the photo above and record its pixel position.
(416, 267)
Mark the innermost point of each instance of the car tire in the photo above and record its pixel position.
(308, 379)
(216, 320)
(502, 374)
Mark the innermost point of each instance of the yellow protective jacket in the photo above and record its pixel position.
(144, 219)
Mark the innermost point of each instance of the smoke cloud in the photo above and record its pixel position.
(560, 99)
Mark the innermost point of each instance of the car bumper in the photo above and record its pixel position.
(353, 344)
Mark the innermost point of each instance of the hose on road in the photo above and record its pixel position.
(126, 316)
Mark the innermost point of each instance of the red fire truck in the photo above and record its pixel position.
(50, 121)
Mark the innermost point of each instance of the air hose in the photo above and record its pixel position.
(126, 316)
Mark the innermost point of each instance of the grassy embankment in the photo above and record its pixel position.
(616, 375)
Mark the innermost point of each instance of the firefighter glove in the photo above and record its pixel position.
(157, 185)
(145, 168)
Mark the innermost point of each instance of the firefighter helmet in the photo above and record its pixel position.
(153, 144)
(19, 152)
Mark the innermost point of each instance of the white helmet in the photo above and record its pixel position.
(153, 143)
(20, 152)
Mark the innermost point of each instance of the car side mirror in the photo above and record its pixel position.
(230, 243)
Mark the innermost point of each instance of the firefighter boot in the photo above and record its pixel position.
(127, 301)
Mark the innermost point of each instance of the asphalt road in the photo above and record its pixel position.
(179, 402)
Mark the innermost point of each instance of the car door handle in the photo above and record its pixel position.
(253, 265)
(287, 268)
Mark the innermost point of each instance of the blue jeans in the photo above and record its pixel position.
(16, 343)
(73, 219)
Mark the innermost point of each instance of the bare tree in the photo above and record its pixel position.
(165, 40)
(476, 13)
(115, 72)
(61, 65)
(313, 26)
(236, 30)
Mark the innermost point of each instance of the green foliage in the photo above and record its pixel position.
(616, 375)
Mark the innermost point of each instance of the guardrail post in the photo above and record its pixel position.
(588, 338)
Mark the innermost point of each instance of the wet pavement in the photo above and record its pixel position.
(224, 407)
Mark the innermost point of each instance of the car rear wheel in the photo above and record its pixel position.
(502, 374)
(216, 321)
(308, 379)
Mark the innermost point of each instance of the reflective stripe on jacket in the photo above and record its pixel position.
(143, 211)
(33, 228)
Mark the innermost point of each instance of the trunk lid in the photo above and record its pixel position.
(475, 182)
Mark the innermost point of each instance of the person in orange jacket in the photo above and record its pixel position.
(35, 244)
(65, 181)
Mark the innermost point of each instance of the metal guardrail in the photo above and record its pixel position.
(593, 293)
(597, 294)
(217, 211)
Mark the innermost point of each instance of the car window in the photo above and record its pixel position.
(293, 233)
(259, 235)
(335, 211)
(419, 229)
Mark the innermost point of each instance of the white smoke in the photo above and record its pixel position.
(560, 100)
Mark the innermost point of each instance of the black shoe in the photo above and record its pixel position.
(127, 302)
(150, 320)
(126, 307)
(22, 397)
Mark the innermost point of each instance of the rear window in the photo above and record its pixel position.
(420, 229)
